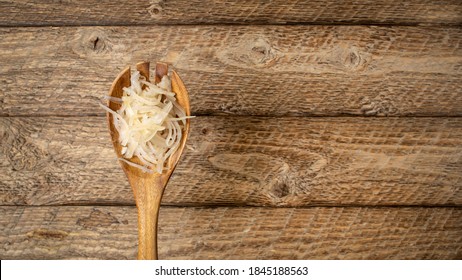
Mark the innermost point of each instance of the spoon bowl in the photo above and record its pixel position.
(148, 187)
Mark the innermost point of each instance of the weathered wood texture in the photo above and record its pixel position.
(243, 161)
(234, 233)
(106, 12)
(243, 70)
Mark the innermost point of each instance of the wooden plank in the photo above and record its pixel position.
(106, 12)
(243, 161)
(242, 70)
(234, 233)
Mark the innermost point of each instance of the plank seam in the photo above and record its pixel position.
(247, 116)
(420, 24)
(212, 206)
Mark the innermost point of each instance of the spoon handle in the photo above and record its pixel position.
(148, 199)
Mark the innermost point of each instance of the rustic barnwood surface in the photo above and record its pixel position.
(80, 232)
(318, 136)
(243, 161)
(108, 12)
(242, 70)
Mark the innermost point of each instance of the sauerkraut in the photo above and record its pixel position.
(150, 123)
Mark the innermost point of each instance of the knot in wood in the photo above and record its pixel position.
(155, 8)
(98, 43)
(281, 189)
(21, 150)
(47, 234)
(381, 105)
(92, 42)
(98, 219)
(345, 57)
(352, 59)
(250, 51)
(260, 53)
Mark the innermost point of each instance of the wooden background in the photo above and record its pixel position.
(325, 129)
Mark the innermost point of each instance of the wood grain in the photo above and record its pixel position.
(93, 12)
(243, 161)
(234, 233)
(241, 70)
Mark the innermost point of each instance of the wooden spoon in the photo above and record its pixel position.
(148, 187)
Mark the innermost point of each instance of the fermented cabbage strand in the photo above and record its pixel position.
(150, 122)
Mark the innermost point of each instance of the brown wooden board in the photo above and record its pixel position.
(241, 70)
(107, 12)
(243, 161)
(234, 233)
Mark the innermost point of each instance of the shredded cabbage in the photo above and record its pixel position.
(150, 122)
